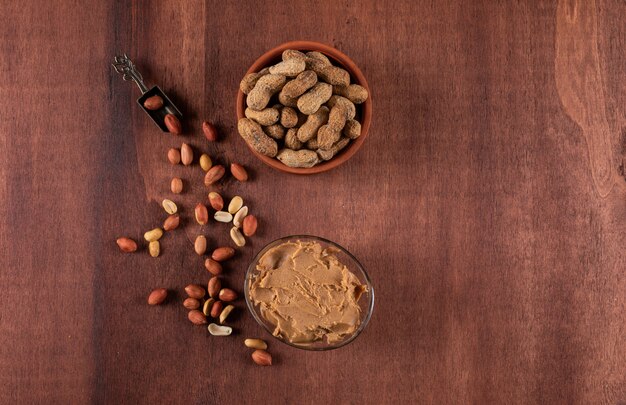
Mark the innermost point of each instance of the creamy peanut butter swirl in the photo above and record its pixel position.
(307, 293)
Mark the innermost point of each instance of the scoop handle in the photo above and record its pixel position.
(124, 66)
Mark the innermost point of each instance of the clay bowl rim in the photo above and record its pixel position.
(340, 59)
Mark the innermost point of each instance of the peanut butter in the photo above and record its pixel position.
(307, 293)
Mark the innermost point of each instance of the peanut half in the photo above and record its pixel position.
(255, 344)
(225, 312)
(237, 237)
(235, 204)
(219, 330)
(169, 206)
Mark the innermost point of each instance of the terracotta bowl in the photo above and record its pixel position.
(364, 110)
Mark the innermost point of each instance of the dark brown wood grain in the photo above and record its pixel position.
(488, 202)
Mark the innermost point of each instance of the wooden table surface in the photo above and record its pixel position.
(488, 202)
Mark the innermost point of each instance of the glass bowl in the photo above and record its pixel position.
(366, 301)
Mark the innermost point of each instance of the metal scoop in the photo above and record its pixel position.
(125, 66)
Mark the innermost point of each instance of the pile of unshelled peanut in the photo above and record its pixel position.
(301, 110)
(200, 307)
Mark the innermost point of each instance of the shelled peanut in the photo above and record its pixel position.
(301, 110)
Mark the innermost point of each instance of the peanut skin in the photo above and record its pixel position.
(267, 116)
(311, 101)
(355, 93)
(291, 140)
(308, 130)
(253, 134)
(300, 158)
(264, 89)
(327, 154)
(290, 68)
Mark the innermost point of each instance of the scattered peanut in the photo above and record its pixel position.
(202, 214)
(237, 237)
(255, 344)
(126, 245)
(214, 175)
(171, 222)
(173, 155)
(196, 317)
(154, 248)
(206, 308)
(216, 201)
(205, 162)
(223, 253)
(213, 267)
(216, 309)
(176, 185)
(240, 216)
(157, 296)
(250, 224)
(227, 295)
(169, 206)
(200, 245)
(235, 204)
(191, 303)
(195, 291)
(223, 216)
(186, 154)
(262, 358)
(219, 330)
(214, 286)
(239, 172)
(209, 131)
(225, 312)
(154, 234)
